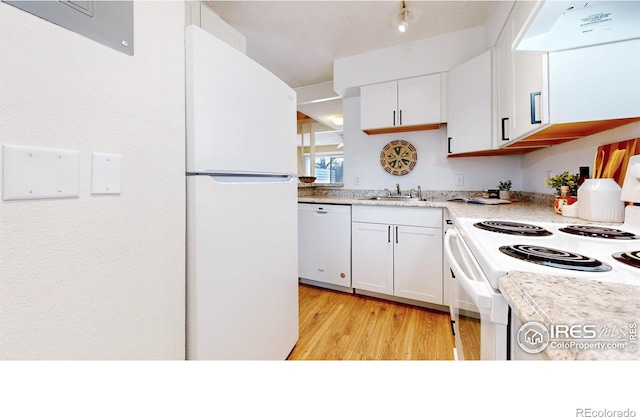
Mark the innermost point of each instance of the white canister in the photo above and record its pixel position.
(599, 201)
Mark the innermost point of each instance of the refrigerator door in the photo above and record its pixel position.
(240, 117)
(242, 261)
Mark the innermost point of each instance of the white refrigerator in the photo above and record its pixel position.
(242, 261)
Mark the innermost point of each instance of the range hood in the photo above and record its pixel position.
(560, 25)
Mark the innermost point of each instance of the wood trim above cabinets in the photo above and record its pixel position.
(397, 129)
(552, 135)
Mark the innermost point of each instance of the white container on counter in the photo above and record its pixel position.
(570, 210)
(599, 201)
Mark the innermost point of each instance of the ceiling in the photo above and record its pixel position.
(298, 40)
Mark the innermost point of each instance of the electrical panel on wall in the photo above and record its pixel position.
(107, 22)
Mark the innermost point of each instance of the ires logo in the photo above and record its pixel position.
(534, 337)
(576, 331)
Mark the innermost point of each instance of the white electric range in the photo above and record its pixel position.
(480, 252)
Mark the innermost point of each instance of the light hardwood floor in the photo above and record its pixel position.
(335, 326)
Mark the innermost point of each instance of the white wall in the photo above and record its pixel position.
(96, 277)
(569, 156)
(434, 171)
(498, 14)
(425, 56)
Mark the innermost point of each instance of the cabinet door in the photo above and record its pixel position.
(372, 257)
(530, 95)
(418, 263)
(378, 104)
(419, 100)
(469, 124)
(505, 87)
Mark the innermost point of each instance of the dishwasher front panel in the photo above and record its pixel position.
(324, 243)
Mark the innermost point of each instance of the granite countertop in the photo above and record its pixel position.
(367, 202)
(516, 211)
(614, 309)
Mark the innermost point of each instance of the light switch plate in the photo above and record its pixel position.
(106, 173)
(30, 173)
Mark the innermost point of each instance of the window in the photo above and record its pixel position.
(329, 169)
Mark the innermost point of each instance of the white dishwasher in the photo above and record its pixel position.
(324, 245)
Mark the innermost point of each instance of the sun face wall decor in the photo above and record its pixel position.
(398, 157)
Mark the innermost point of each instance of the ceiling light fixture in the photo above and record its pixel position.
(405, 17)
(338, 120)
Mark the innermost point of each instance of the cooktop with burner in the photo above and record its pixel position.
(555, 258)
(512, 228)
(630, 257)
(599, 252)
(604, 232)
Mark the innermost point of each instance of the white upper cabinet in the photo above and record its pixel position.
(547, 98)
(504, 85)
(529, 79)
(469, 105)
(530, 97)
(419, 100)
(401, 106)
(379, 105)
(522, 97)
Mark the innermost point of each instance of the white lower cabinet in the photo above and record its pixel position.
(398, 252)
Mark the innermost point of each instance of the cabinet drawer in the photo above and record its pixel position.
(409, 216)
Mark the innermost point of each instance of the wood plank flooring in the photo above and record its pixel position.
(340, 326)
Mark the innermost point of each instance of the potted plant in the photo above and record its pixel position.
(566, 186)
(504, 188)
(564, 183)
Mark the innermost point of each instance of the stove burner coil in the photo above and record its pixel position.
(512, 228)
(598, 231)
(630, 258)
(555, 258)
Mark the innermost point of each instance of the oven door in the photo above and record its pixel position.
(479, 313)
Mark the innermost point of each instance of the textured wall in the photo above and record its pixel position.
(569, 156)
(95, 277)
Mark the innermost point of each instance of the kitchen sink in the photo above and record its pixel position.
(392, 198)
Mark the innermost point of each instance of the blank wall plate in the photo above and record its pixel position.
(106, 173)
(30, 173)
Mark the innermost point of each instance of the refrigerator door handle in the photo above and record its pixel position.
(237, 178)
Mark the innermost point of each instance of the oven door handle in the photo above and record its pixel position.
(478, 291)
